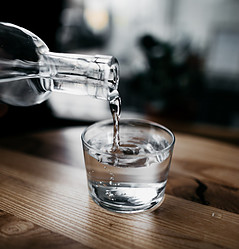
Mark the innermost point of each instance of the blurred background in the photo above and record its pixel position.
(179, 62)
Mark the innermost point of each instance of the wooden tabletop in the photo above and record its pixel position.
(44, 201)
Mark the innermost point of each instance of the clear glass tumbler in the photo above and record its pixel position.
(133, 178)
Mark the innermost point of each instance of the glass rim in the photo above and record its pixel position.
(133, 120)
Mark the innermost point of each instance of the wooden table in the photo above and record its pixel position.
(44, 199)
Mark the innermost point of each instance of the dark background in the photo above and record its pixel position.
(181, 94)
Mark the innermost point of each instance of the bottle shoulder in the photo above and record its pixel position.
(18, 43)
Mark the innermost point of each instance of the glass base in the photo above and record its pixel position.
(122, 200)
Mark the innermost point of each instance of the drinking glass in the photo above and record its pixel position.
(132, 178)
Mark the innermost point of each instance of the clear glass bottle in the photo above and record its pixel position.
(29, 72)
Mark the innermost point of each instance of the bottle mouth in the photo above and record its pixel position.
(109, 65)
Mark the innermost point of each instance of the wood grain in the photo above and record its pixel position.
(205, 171)
(62, 145)
(16, 233)
(54, 197)
(202, 170)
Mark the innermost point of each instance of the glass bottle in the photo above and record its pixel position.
(29, 72)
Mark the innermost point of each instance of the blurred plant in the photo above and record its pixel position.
(173, 81)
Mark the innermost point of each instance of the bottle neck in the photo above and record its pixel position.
(78, 74)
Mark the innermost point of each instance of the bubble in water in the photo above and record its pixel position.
(129, 149)
(109, 195)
